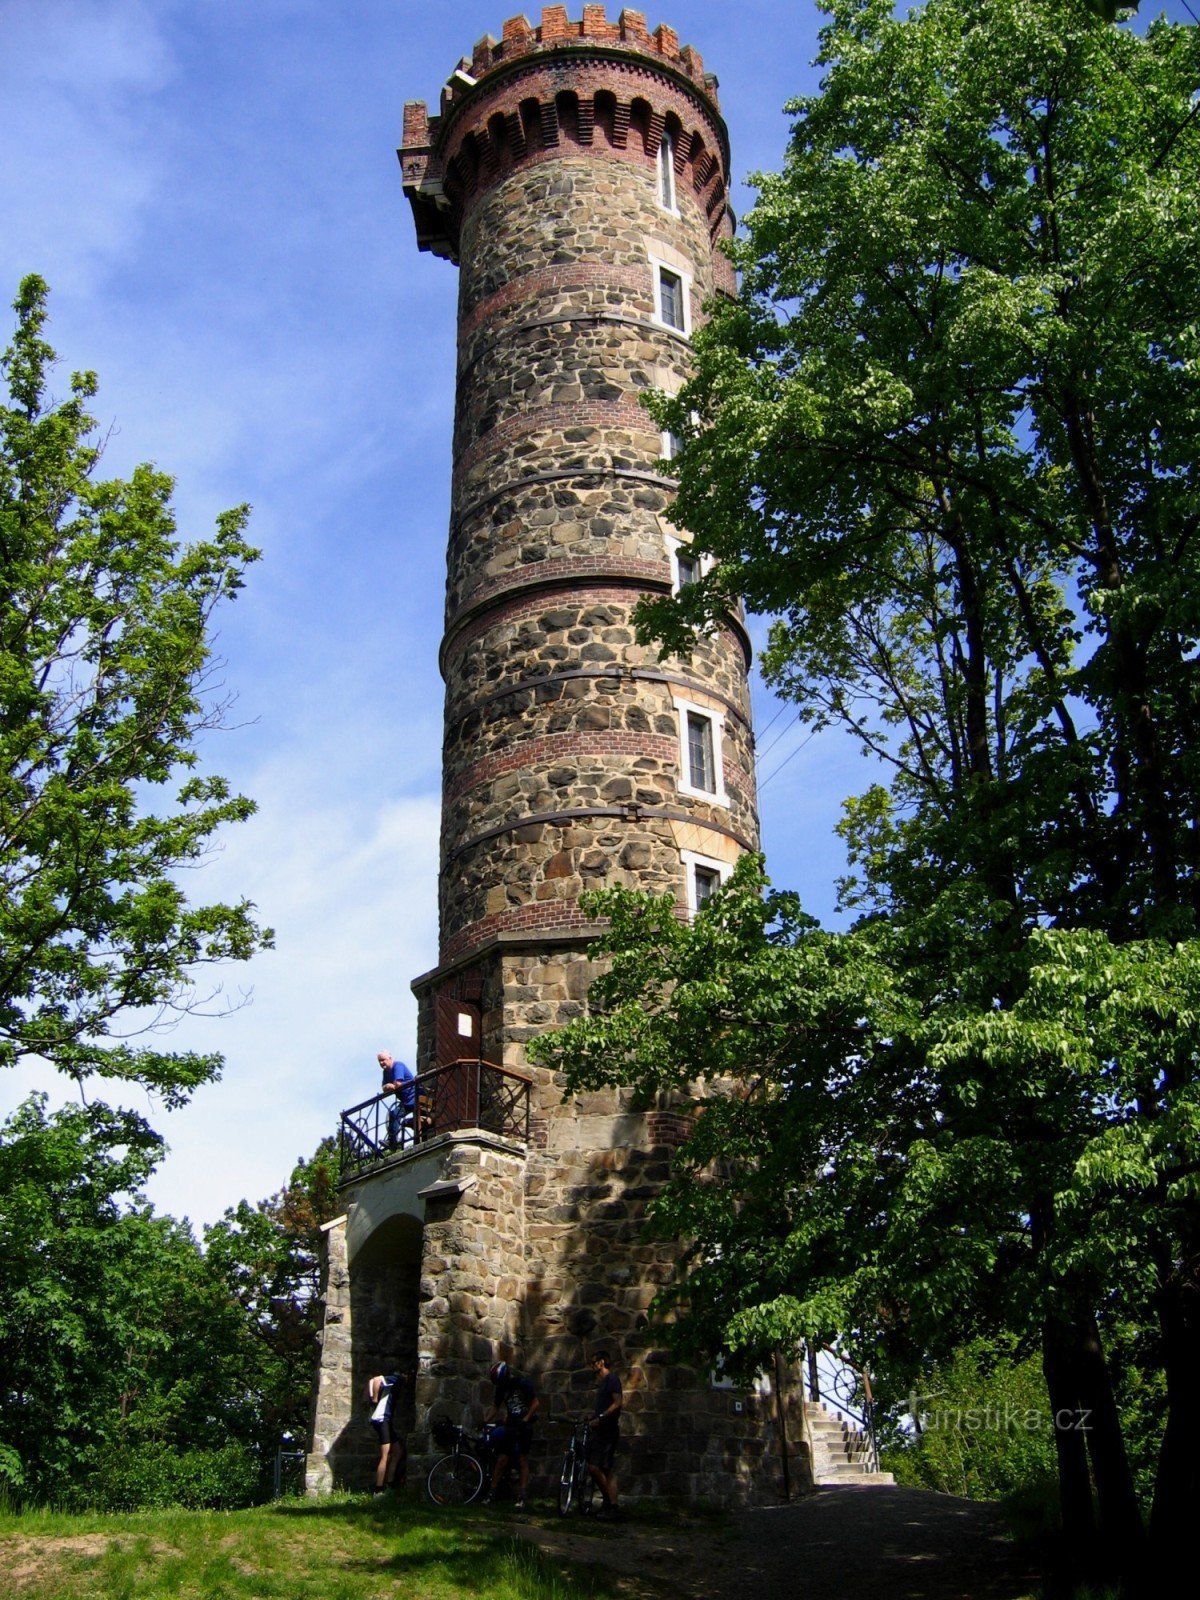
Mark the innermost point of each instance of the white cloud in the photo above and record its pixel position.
(351, 894)
(349, 884)
(79, 174)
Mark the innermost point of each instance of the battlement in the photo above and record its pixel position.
(448, 156)
(556, 31)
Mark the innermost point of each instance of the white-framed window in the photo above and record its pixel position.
(672, 445)
(672, 297)
(704, 876)
(672, 300)
(686, 567)
(701, 767)
(666, 175)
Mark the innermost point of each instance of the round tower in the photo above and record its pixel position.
(577, 174)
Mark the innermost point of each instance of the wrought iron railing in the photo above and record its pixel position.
(833, 1379)
(463, 1094)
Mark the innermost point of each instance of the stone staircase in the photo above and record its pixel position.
(840, 1452)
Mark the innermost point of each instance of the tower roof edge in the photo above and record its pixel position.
(556, 31)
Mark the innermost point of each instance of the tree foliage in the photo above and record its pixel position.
(267, 1257)
(106, 682)
(887, 1148)
(136, 1367)
(985, 1431)
(946, 433)
(67, 1245)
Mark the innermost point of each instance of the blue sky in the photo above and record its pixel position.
(210, 188)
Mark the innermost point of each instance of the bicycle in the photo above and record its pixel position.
(576, 1486)
(457, 1478)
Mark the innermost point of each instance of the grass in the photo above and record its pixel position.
(342, 1548)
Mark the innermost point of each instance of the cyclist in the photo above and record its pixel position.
(515, 1403)
(606, 1431)
(380, 1394)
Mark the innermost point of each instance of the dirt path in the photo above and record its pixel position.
(837, 1544)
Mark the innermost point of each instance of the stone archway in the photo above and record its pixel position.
(370, 1326)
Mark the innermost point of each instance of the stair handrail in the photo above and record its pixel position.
(850, 1393)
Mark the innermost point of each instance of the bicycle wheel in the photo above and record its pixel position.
(455, 1480)
(566, 1483)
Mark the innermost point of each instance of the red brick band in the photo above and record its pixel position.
(548, 280)
(529, 753)
(555, 419)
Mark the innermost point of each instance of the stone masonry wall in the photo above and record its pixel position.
(560, 524)
(334, 1402)
(472, 1269)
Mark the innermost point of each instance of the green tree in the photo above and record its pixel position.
(66, 1247)
(869, 1149)
(946, 433)
(105, 685)
(985, 1431)
(135, 1367)
(268, 1258)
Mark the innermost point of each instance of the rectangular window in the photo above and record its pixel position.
(702, 877)
(705, 884)
(701, 769)
(670, 299)
(687, 570)
(666, 173)
(672, 445)
(701, 735)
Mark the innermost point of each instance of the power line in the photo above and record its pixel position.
(785, 760)
(783, 707)
(761, 755)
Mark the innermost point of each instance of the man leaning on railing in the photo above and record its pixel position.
(407, 1112)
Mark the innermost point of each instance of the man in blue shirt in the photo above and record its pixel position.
(400, 1080)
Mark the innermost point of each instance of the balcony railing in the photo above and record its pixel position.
(464, 1094)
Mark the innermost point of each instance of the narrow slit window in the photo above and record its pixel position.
(666, 173)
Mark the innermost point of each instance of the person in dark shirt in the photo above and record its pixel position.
(514, 1403)
(606, 1431)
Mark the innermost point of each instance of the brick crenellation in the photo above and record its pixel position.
(557, 31)
(516, 102)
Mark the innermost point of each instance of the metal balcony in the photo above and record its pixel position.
(463, 1094)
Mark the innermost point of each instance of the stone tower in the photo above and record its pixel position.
(577, 174)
